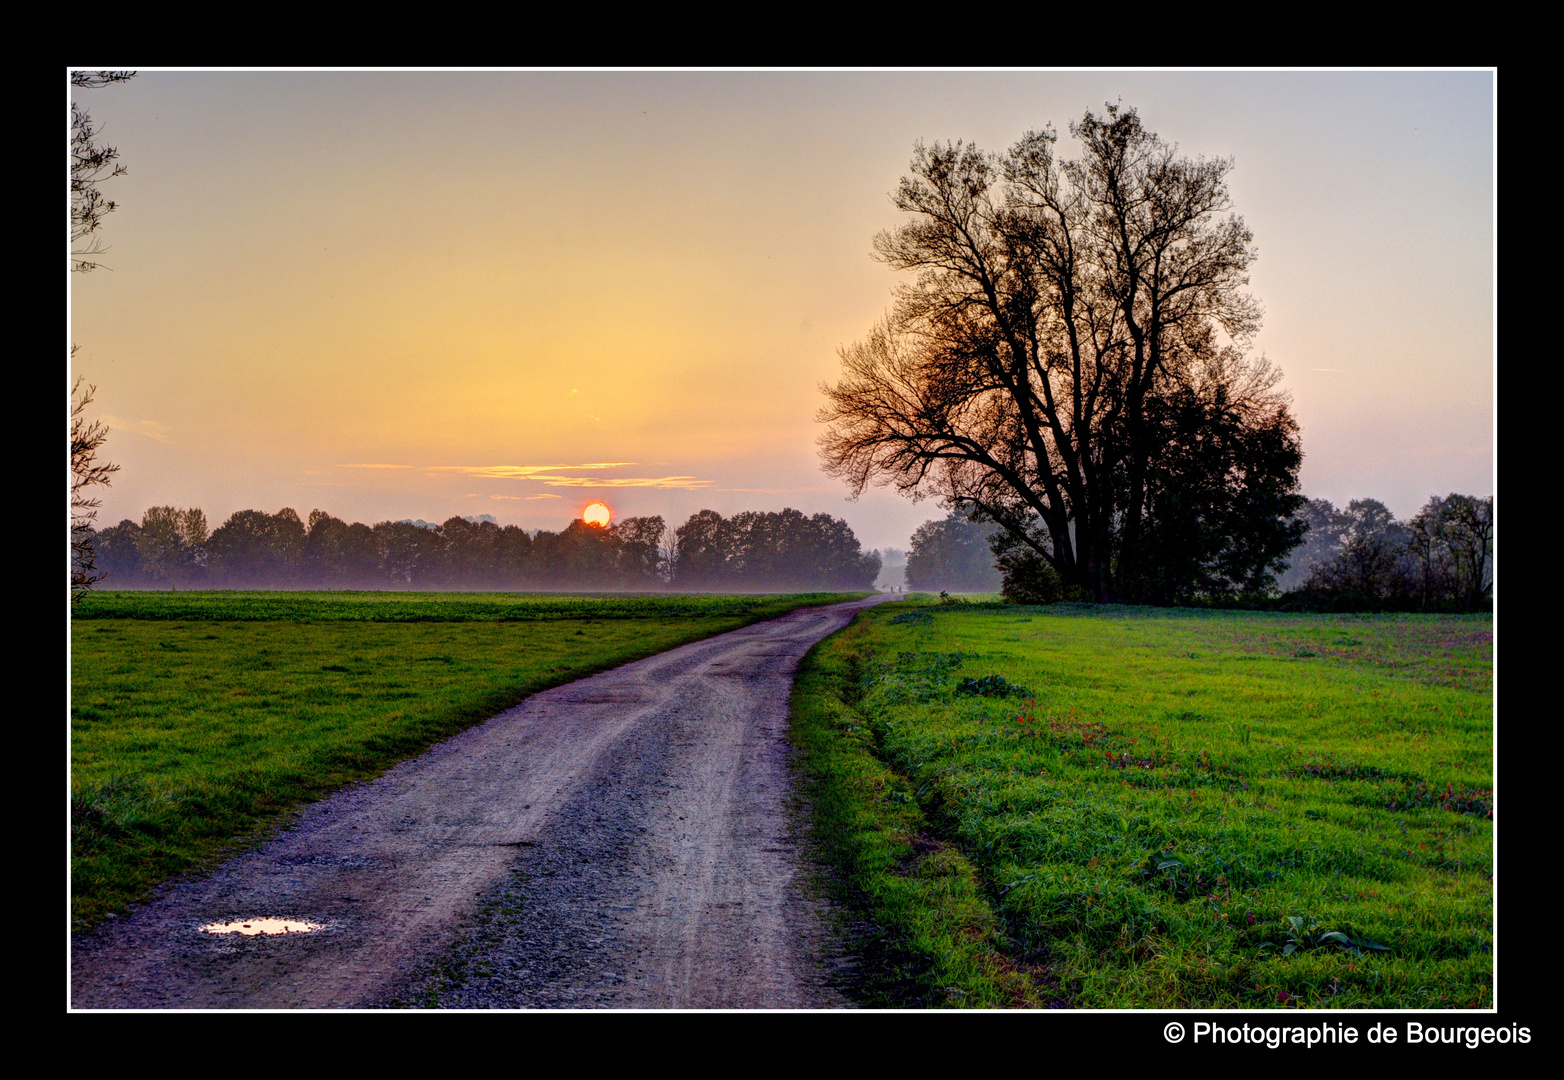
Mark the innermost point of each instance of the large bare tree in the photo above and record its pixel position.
(1070, 362)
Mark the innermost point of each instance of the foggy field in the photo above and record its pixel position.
(197, 719)
(1114, 807)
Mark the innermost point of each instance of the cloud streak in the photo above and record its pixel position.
(523, 472)
(554, 475)
(150, 428)
(687, 483)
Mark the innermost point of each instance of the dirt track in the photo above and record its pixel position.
(621, 841)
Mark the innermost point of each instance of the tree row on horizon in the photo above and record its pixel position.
(1359, 558)
(754, 551)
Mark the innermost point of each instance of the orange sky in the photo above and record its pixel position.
(421, 294)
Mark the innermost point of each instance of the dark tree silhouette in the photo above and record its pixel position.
(1069, 354)
(86, 472)
(952, 555)
(757, 551)
(254, 549)
(1452, 539)
(92, 163)
(118, 554)
(172, 545)
(700, 551)
(640, 541)
(338, 555)
(1321, 542)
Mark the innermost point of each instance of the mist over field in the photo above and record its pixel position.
(311, 296)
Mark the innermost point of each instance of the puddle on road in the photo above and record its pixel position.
(262, 926)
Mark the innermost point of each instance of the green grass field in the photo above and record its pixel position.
(197, 719)
(1114, 807)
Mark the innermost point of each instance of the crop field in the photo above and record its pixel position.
(1138, 808)
(198, 719)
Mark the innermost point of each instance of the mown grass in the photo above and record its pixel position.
(1163, 809)
(198, 719)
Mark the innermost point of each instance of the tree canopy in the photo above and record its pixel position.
(1070, 362)
(952, 555)
(1363, 559)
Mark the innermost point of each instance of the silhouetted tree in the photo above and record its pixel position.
(337, 555)
(1065, 320)
(1451, 540)
(641, 547)
(119, 554)
(517, 562)
(469, 555)
(587, 556)
(86, 472)
(408, 554)
(254, 549)
(952, 555)
(1220, 493)
(1321, 542)
(92, 163)
(172, 545)
(700, 546)
(755, 551)
(1375, 568)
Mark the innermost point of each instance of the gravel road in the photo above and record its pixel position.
(623, 841)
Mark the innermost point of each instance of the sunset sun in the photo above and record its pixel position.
(597, 514)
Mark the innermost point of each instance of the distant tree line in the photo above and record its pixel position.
(1363, 559)
(750, 552)
(755, 551)
(1357, 559)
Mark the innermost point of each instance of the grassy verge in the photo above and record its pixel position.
(1142, 808)
(932, 939)
(199, 718)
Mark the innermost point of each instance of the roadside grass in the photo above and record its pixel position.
(1161, 809)
(199, 719)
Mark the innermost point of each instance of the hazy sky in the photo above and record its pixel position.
(419, 294)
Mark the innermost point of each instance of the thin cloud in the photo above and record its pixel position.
(523, 472)
(368, 465)
(526, 498)
(150, 428)
(682, 482)
(555, 476)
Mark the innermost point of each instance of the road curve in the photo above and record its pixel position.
(634, 825)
